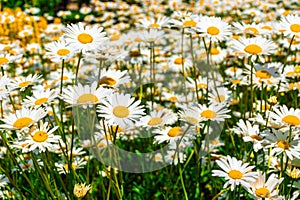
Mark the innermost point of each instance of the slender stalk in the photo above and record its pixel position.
(182, 182)
(77, 67)
(195, 74)
(182, 66)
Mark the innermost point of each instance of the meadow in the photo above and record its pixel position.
(151, 99)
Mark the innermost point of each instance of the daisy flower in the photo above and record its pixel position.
(185, 20)
(213, 112)
(5, 59)
(113, 78)
(42, 138)
(235, 172)
(85, 38)
(84, 94)
(176, 62)
(190, 115)
(219, 95)
(174, 157)
(285, 116)
(262, 189)
(290, 24)
(23, 118)
(253, 29)
(23, 82)
(233, 71)
(170, 134)
(254, 47)
(4, 87)
(39, 98)
(280, 142)
(158, 23)
(151, 35)
(250, 133)
(214, 28)
(77, 163)
(158, 118)
(59, 50)
(120, 109)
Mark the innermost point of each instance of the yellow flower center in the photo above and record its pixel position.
(22, 122)
(256, 137)
(262, 192)
(253, 49)
(179, 61)
(121, 111)
(40, 136)
(85, 38)
(212, 30)
(283, 144)
(41, 101)
(189, 23)
(155, 121)
(65, 78)
(295, 28)
(209, 114)
(263, 74)
(107, 81)
(267, 27)
(191, 120)
(154, 25)
(63, 52)
(114, 129)
(202, 86)
(291, 120)
(290, 74)
(233, 69)
(85, 98)
(173, 99)
(25, 83)
(66, 166)
(235, 174)
(3, 60)
(252, 29)
(220, 98)
(175, 131)
(214, 51)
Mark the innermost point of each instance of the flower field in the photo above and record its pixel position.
(150, 99)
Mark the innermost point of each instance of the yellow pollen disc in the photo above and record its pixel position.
(175, 131)
(22, 122)
(173, 99)
(191, 120)
(290, 74)
(233, 69)
(252, 29)
(85, 38)
(214, 51)
(179, 61)
(253, 49)
(7, 48)
(235, 174)
(85, 98)
(256, 137)
(283, 144)
(41, 101)
(220, 98)
(189, 23)
(237, 81)
(267, 28)
(291, 120)
(40, 136)
(66, 166)
(114, 129)
(107, 81)
(263, 74)
(202, 86)
(65, 78)
(209, 114)
(25, 83)
(155, 121)
(3, 60)
(121, 111)
(154, 25)
(212, 30)
(108, 136)
(262, 192)
(63, 52)
(295, 28)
